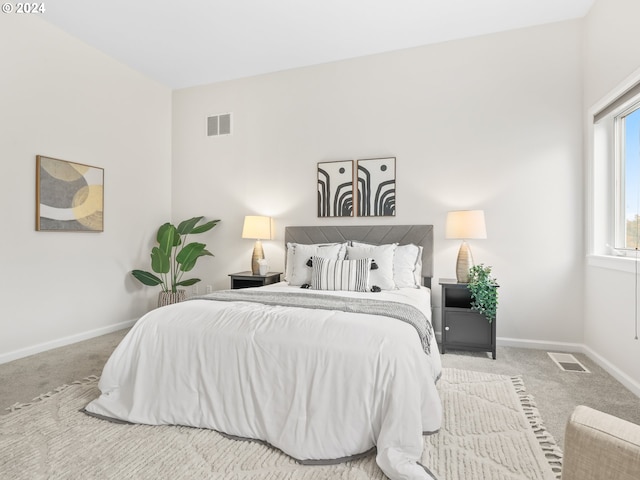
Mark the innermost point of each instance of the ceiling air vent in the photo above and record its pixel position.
(219, 125)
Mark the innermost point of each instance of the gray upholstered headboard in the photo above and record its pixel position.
(421, 235)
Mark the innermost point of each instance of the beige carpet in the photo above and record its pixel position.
(491, 431)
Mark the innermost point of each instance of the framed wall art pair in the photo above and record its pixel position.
(363, 188)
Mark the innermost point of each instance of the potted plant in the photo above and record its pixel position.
(173, 256)
(484, 291)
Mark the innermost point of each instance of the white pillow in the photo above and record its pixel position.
(290, 249)
(299, 272)
(407, 266)
(418, 271)
(348, 275)
(406, 258)
(382, 255)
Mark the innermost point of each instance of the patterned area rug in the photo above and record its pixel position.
(491, 431)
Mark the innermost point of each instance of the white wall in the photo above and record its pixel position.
(492, 122)
(61, 98)
(612, 53)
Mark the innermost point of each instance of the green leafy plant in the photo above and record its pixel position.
(484, 291)
(173, 256)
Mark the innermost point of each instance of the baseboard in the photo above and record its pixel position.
(62, 342)
(614, 371)
(535, 344)
(540, 344)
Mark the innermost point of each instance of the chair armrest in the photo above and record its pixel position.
(599, 446)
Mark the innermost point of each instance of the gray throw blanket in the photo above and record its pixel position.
(399, 311)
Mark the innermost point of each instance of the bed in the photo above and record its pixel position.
(323, 374)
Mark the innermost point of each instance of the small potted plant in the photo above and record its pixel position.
(484, 291)
(172, 257)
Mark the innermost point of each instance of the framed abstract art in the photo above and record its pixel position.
(376, 187)
(69, 196)
(335, 189)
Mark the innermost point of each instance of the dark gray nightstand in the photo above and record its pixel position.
(247, 279)
(463, 328)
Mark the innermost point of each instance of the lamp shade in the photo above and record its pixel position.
(257, 227)
(465, 224)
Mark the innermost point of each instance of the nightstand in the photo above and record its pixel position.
(247, 279)
(463, 328)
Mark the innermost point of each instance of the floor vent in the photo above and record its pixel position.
(567, 362)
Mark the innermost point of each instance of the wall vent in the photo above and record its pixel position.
(567, 362)
(219, 125)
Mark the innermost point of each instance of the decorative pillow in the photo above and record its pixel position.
(382, 255)
(406, 258)
(298, 271)
(407, 266)
(291, 247)
(348, 275)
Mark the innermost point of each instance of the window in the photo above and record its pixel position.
(627, 146)
(614, 175)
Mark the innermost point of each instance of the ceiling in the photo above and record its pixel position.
(193, 42)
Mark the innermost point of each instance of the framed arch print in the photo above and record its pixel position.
(69, 196)
(335, 189)
(376, 187)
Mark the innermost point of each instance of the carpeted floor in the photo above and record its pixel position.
(491, 430)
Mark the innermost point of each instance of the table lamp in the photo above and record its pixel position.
(465, 225)
(258, 228)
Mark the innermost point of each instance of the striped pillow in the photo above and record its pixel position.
(348, 275)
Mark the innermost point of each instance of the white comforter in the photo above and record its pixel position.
(317, 384)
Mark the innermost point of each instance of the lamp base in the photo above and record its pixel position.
(464, 263)
(258, 254)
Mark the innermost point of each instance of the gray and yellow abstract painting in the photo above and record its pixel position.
(69, 196)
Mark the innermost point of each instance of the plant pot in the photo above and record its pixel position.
(168, 298)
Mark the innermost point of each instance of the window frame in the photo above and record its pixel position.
(605, 167)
